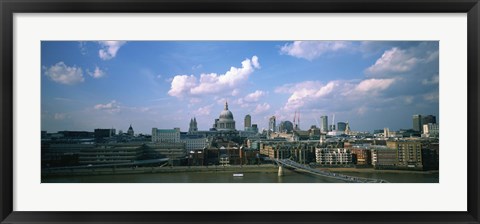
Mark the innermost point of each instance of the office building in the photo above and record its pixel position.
(341, 126)
(247, 122)
(324, 124)
(272, 124)
(285, 127)
(429, 119)
(417, 122)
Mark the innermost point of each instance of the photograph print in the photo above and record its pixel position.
(296, 111)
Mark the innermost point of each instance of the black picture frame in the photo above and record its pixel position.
(9, 7)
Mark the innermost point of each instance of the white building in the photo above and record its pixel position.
(430, 130)
(166, 135)
(194, 143)
(329, 156)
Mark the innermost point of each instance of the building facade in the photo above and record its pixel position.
(324, 123)
(272, 124)
(194, 143)
(409, 153)
(384, 158)
(166, 135)
(341, 126)
(333, 156)
(110, 154)
(247, 122)
(430, 130)
(285, 127)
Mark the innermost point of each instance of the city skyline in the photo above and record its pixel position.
(163, 84)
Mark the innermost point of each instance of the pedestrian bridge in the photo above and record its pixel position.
(287, 163)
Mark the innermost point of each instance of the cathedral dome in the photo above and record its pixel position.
(225, 122)
(226, 114)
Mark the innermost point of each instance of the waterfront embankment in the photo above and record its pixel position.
(264, 168)
(372, 170)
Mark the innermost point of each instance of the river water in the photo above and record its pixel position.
(227, 177)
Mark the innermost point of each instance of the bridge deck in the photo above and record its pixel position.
(352, 179)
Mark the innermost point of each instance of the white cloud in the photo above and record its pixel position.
(111, 107)
(97, 73)
(313, 93)
(221, 101)
(63, 99)
(434, 80)
(370, 85)
(109, 49)
(250, 98)
(261, 108)
(212, 83)
(235, 92)
(396, 60)
(195, 100)
(408, 99)
(181, 85)
(197, 66)
(432, 97)
(254, 97)
(64, 74)
(361, 110)
(60, 116)
(393, 60)
(312, 49)
(305, 91)
(206, 110)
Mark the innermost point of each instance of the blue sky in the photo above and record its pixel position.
(163, 84)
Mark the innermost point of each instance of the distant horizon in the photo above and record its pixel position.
(163, 84)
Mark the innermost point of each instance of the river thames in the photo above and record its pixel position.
(248, 177)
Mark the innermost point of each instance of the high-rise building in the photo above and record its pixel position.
(255, 128)
(417, 122)
(285, 127)
(429, 119)
(248, 121)
(324, 124)
(341, 126)
(272, 123)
